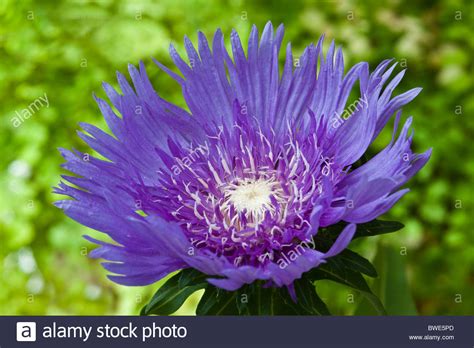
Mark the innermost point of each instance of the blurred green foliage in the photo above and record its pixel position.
(67, 48)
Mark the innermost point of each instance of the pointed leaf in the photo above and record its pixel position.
(376, 227)
(308, 298)
(354, 261)
(216, 301)
(260, 300)
(347, 258)
(264, 301)
(368, 229)
(171, 295)
(191, 276)
(333, 270)
(391, 286)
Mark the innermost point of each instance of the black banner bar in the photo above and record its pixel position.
(330, 332)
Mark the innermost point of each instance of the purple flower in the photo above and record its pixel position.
(248, 174)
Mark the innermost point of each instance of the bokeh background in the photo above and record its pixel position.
(67, 48)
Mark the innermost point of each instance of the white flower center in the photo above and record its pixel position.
(253, 197)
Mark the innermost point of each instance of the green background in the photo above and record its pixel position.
(67, 48)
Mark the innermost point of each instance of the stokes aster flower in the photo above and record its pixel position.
(246, 176)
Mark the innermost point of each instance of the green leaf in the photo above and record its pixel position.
(308, 298)
(368, 229)
(216, 301)
(392, 286)
(354, 261)
(330, 233)
(262, 301)
(254, 299)
(251, 299)
(191, 276)
(171, 296)
(376, 227)
(334, 270)
(277, 301)
(348, 258)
